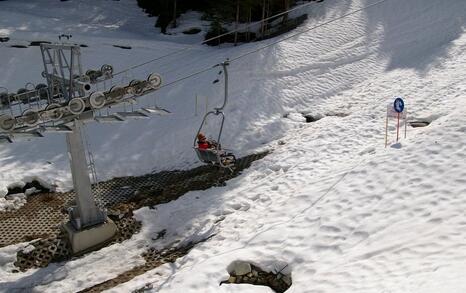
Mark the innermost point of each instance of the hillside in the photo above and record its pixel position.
(330, 202)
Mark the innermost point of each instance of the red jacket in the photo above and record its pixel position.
(203, 145)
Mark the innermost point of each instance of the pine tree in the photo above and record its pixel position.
(218, 11)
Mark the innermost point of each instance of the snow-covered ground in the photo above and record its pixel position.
(344, 212)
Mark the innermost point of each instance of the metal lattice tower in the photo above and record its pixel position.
(63, 71)
(64, 104)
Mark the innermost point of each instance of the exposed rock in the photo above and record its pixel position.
(3, 192)
(16, 187)
(242, 272)
(312, 118)
(31, 186)
(122, 47)
(192, 31)
(287, 280)
(416, 124)
(15, 196)
(31, 191)
(241, 268)
(39, 184)
(147, 287)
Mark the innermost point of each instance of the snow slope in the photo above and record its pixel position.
(345, 213)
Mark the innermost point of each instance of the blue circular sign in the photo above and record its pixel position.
(399, 105)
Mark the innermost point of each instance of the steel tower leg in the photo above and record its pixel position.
(86, 213)
(89, 225)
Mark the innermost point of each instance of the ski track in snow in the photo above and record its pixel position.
(345, 213)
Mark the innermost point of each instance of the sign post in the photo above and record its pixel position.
(399, 106)
(396, 110)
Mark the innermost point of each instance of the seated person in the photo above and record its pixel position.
(211, 145)
(204, 144)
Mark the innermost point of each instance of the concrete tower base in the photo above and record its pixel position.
(93, 237)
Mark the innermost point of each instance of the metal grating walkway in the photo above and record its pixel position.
(43, 214)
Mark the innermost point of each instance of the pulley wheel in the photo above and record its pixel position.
(41, 86)
(54, 112)
(93, 75)
(117, 92)
(97, 100)
(107, 69)
(7, 122)
(135, 87)
(4, 99)
(155, 81)
(30, 117)
(90, 72)
(30, 86)
(21, 91)
(76, 106)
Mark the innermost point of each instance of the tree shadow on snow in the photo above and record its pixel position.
(417, 34)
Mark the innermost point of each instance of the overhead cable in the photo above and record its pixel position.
(276, 42)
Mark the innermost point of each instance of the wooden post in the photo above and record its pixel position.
(386, 129)
(406, 121)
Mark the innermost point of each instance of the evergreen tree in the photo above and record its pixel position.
(218, 11)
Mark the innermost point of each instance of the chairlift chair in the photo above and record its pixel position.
(214, 156)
